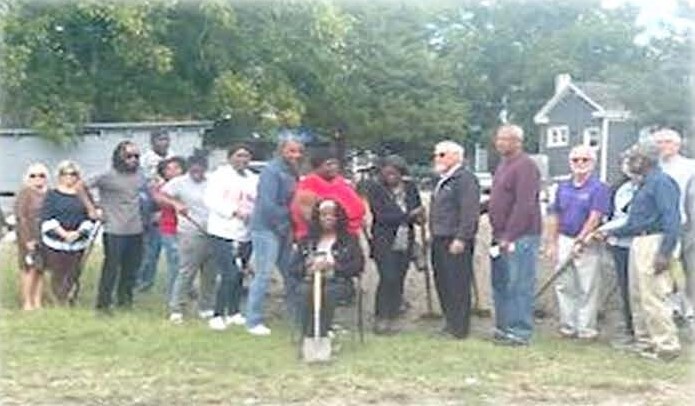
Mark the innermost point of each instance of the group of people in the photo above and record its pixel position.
(216, 227)
(646, 222)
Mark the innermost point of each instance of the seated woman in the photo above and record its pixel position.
(65, 230)
(328, 248)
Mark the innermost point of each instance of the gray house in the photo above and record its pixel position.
(588, 113)
(92, 152)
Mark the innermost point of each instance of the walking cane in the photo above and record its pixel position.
(424, 268)
(75, 288)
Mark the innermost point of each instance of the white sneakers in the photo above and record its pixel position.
(176, 318)
(259, 330)
(206, 314)
(220, 323)
(217, 323)
(235, 320)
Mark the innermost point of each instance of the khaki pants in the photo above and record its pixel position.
(651, 316)
(578, 288)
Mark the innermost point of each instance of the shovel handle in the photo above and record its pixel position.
(317, 304)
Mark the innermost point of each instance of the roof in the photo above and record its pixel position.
(602, 97)
(133, 125)
(604, 94)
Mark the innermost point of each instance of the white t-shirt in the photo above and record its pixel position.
(190, 193)
(230, 192)
(681, 169)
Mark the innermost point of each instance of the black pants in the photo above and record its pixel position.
(122, 257)
(452, 278)
(229, 289)
(334, 291)
(392, 267)
(621, 257)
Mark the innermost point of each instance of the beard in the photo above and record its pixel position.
(440, 168)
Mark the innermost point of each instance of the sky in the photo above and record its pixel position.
(653, 15)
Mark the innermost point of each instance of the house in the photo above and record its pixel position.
(92, 151)
(588, 113)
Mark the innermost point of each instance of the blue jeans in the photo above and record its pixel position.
(229, 290)
(153, 246)
(268, 249)
(171, 252)
(513, 281)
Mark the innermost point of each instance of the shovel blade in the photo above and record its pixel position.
(316, 349)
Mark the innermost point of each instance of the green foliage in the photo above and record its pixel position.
(380, 71)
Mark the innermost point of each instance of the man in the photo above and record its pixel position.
(579, 206)
(325, 182)
(120, 198)
(271, 231)
(654, 223)
(515, 216)
(682, 170)
(688, 240)
(159, 151)
(186, 194)
(454, 212)
(230, 197)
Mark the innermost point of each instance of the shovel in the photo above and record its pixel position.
(316, 349)
(422, 267)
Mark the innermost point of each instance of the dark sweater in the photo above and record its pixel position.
(514, 206)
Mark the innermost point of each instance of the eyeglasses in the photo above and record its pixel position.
(582, 160)
(37, 175)
(132, 156)
(69, 173)
(439, 155)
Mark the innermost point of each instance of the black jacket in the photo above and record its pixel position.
(388, 216)
(455, 206)
(347, 253)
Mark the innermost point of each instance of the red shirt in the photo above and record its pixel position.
(167, 219)
(337, 189)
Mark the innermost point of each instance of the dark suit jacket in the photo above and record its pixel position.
(388, 216)
(455, 206)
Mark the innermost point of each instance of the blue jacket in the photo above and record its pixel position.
(275, 191)
(654, 209)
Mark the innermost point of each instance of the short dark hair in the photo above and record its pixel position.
(159, 132)
(235, 147)
(162, 165)
(199, 157)
(395, 161)
(319, 156)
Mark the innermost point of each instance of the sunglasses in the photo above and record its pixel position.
(132, 156)
(69, 173)
(439, 155)
(582, 160)
(37, 175)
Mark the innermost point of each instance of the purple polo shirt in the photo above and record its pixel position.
(573, 203)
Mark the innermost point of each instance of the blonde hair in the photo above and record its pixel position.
(36, 167)
(67, 166)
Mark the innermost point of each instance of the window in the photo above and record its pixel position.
(558, 136)
(592, 137)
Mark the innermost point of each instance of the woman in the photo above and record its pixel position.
(27, 209)
(331, 249)
(395, 205)
(65, 230)
(230, 197)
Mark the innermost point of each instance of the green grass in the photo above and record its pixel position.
(70, 356)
